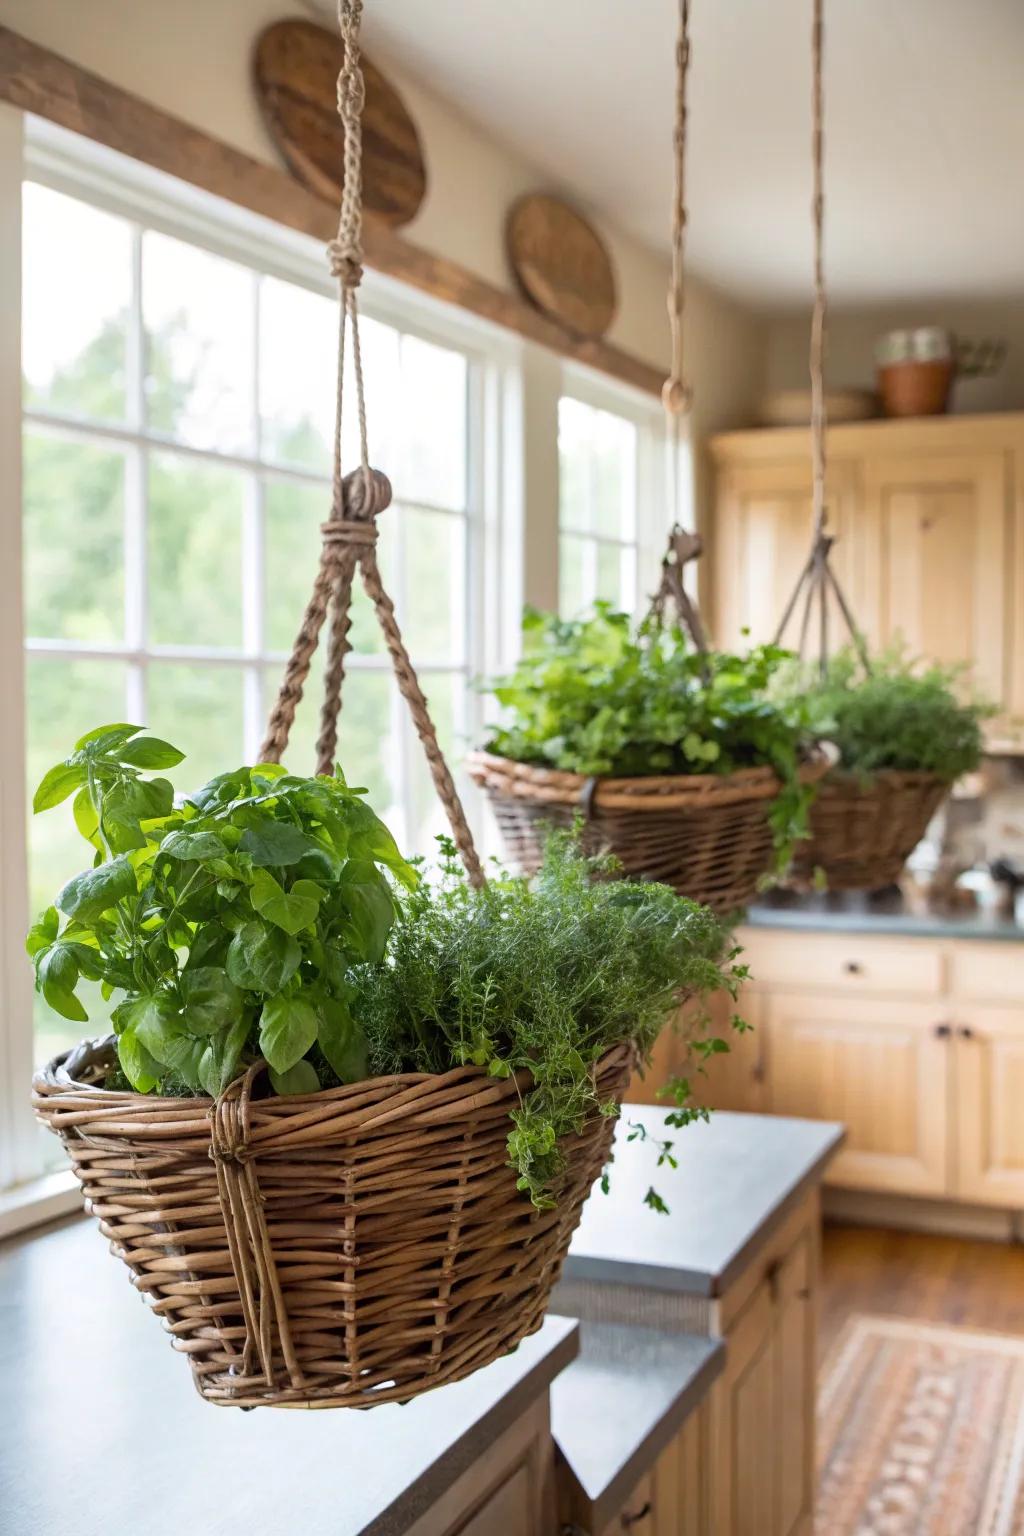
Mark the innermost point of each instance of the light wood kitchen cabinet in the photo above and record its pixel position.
(935, 527)
(764, 1483)
(988, 1074)
(736, 1079)
(878, 1066)
(675, 1497)
(927, 515)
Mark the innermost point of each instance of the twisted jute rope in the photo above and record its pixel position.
(676, 394)
(350, 534)
(817, 579)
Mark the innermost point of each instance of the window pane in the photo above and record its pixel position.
(597, 469)
(573, 595)
(198, 312)
(64, 700)
(76, 294)
(195, 553)
(294, 514)
(74, 555)
(609, 574)
(298, 359)
(434, 591)
(428, 818)
(199, 710)
(432, 464)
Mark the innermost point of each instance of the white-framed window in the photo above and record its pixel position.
(177, 412)
(615, 489)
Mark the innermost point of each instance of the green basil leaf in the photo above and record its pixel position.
(86, 819)
(292, 910)
(209, 946)
(150, 752)
(129, 803)
(369, 911)
(57, 784)
(221, 790)
(301, 1078)
(341, 1039)
(95, 891)
(43, 931)
(196, 847)
(211, 999)
(103, 737)
(274, 843)
(137, 1064)
(371, 840)
(154, 1018)
(288, 1027)
(57, 975)
(262, 959)
(218, 1064)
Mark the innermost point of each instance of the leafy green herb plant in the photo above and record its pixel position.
(599, 696)
(227, 924)
(272, 916)
(903, 715)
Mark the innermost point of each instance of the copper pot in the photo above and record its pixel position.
(916, 389)
(916, 368)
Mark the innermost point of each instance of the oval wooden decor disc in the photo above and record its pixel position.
(561, 264)
(295, 70)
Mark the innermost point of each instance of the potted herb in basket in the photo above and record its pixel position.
(349, 1115)
(902, 735)
(679, 758)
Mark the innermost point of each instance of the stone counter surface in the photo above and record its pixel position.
(737, 1177)
(886, 913)
(102, 1431)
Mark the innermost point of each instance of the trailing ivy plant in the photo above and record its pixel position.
(600, 696)
(273, 916)
(904, 714)
(227, 925)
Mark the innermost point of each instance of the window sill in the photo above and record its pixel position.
(38, 1201)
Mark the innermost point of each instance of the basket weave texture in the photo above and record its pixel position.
(338, 1249)
(863, 830)
(706, 835)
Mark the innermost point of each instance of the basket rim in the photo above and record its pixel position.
(55, 1080)
(648, 792)
(838, 779)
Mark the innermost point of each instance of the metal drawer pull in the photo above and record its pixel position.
(852, 967)
(942, 1031)
(965, 1032)
(641, 1514)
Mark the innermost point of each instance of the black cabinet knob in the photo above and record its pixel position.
(943, 1031)
(628, 1521)
(852, 967)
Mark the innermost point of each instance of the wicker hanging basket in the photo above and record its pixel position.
(360, 1244)
(708, 836)
(863, 830)
(343, 1249)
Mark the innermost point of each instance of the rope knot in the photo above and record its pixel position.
(346, 262)
(676, 397)
(364, 495)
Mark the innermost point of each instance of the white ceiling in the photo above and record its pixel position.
(924, 122)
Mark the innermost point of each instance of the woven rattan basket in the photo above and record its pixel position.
(345, 1248)
(706, 835)
(863, 830)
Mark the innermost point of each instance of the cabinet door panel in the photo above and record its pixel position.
(877, 1066)
(746, 1430)
(761, 541)
(989, 1084)
(795, 1389)
(733, 1080)
(938, 528)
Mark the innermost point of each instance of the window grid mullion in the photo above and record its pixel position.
(136, 499)
(253, 573)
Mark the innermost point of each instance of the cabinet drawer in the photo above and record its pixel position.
(846, 963)
(988, 970)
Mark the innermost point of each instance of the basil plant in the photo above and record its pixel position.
(224, 923)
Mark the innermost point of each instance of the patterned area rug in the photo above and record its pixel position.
(921, 1432)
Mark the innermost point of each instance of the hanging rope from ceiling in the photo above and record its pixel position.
(677, 395)
(350, 534)
(817, 583)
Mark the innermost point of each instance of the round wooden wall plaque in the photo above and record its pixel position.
(561, 264)
(295, 70)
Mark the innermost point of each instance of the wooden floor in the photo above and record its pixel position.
(909, 1274)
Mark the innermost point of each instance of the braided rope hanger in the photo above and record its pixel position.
(350, 534)
(676, 394)
(817, 580)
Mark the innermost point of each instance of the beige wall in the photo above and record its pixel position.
(852, 336)
(191, 57)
